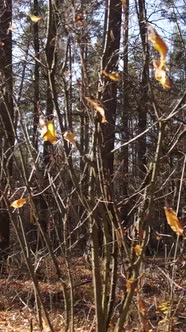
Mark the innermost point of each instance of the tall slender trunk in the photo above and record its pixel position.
(36, 75)
(51, 57)
(6, 117)
(110, 63)
(143, 103)
(125, 105)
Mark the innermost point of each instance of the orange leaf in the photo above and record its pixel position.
(70, 137)
(142, 306)
(35, 18)
(161, 75)
(19, 203)
(97, 106)
(113, 76)
(173, 221)
(158, 42)
(129, 283)
(48, 132)
(138, 250)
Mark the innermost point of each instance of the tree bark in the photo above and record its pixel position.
(143, 104)
(109, 64)
(6, 117)
(36, 76)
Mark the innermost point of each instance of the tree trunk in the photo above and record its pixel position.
(109, 64)
(6, 117)
(143, 104)
(124, 168)
(36, 76)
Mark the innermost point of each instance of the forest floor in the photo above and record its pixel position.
(18, 308)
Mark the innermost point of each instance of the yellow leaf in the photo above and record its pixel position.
(70, 137)
(19, 203)
(173, 221)
(97, 106)
(158, 42)
(48, 132)
(138, 250)
(164, 307)
(161, 75)
(35, 18)
(114, 76)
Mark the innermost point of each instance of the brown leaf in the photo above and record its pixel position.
(129, 283)
(97, 106)
(142, 306)
(70, 137)
(173, 221)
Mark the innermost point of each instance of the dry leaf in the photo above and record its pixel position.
(97, 106)
(161, 74)
(173, 221)
(142, 306)
(164, 307)
(79, 19)
(158, 42)
(129, 283)
(48, 132)
(113, 76)
(70, 137)
(19, 203)
(10, 28)
(35, 18)
(138, 250)
(42, 121)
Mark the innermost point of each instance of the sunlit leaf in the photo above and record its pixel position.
(113, 76)
(98, 107)
(35, 18)
(173, 221)
(70, 137)
(19, 203)
(157, 42)
(161, 74)
(164, 307)
(138, 250)
(48, 132)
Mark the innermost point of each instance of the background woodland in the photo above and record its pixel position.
(93, 155)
